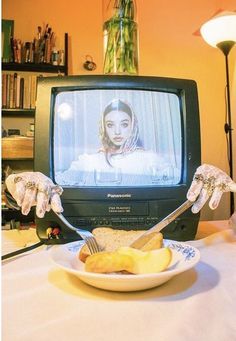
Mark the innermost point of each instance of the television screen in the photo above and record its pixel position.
(117, 138)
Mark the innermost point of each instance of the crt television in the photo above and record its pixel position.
(123, 148)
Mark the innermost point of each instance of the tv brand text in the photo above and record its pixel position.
(126, 195)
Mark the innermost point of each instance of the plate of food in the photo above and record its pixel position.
(121, 268)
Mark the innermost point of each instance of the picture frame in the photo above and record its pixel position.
(7, 36)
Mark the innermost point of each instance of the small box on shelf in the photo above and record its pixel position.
(17, 147)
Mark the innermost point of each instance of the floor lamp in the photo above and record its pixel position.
(220, 32)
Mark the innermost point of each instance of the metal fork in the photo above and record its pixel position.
(87, 236)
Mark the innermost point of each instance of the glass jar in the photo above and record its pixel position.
(120, 32)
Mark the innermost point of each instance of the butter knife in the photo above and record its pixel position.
(151, 233)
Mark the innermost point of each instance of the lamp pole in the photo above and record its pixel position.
(220, 31)
(225, 47)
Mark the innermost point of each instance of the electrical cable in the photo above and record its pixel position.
(20, 251)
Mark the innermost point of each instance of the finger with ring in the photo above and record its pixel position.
(209, 185)
(223, 187)
(43, 197)
(56, 203)
(19, 191)
(215, 198)
(46, 191)
(201, 200)
(18, 179)
(195, 189)
(29, 197)
(30, 185)
(57, 189)
(198, 177)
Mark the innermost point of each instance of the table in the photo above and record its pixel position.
(41, 302)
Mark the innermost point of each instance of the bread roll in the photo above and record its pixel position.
(110, 240)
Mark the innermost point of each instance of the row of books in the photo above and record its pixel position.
(19, 90)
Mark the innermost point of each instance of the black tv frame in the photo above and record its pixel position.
(82, 206)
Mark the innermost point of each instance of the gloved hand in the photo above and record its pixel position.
(34, 189)
(209, 182)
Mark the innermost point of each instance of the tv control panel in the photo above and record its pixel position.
(114, 221)
(133, 216)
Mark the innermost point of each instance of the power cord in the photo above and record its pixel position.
(20, 251)
(10, 201)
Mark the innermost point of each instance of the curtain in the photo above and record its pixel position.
(77, 115)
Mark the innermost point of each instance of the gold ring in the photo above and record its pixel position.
(30, 185)
(18, 179)
(57, 189)
(199, 177)
(209, 185)
(47, 192)
(223, 187)
(210, 181)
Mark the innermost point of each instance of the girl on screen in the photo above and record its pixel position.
(121, 159)
(119, 132)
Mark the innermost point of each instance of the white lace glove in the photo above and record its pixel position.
(209, 182)
(34, 189)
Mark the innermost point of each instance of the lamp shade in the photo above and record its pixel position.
(220, 28)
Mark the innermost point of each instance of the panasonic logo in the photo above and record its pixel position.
(126, 195)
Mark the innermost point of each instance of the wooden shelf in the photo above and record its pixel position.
(31, 67)
(41, 67)
(18, 152)
(18, 112)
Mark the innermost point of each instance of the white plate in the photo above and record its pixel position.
(184, 258)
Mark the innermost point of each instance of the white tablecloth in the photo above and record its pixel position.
(41, 302)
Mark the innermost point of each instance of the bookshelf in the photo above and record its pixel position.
(16, 112)
(18, 151)
(18, 108)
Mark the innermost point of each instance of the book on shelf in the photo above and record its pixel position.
(19, 91)
(27, 90)
(11, 90)
(4, 90)
(7, 35)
